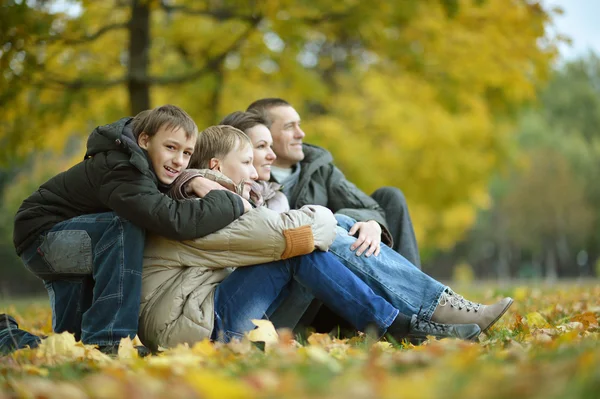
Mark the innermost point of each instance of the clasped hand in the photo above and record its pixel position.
(201, 186)
(369, 237)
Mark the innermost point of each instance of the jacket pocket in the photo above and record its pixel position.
(68, 251)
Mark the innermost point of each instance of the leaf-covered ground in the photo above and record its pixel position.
(547, 346)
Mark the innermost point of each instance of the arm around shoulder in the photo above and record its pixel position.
(136, 197)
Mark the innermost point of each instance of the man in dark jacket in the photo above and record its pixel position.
(82, 232)
(308, 176)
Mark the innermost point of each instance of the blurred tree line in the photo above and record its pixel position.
(423, 95)
(544, 220)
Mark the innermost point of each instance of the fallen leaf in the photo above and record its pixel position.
(264, 332)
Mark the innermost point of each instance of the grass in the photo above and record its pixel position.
(546, 346)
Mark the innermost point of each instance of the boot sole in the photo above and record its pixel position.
(499, 316)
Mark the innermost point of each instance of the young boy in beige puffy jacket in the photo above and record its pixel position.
(197, 289)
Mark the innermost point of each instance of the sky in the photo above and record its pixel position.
(580, 22)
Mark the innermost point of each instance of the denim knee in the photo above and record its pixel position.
(346, 222)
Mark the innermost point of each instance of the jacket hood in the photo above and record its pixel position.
(118, 136)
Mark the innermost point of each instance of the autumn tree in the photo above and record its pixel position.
(418, 95)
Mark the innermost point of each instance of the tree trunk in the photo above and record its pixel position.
(503, 263)
(139, 49)
(215, 100)
(551, 264)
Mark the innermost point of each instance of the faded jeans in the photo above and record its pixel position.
(252, 292)
(389, 274)
(92, 269)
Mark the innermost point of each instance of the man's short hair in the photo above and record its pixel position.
(243, 120)
(262, 107)
(170, 116)
(217, 142)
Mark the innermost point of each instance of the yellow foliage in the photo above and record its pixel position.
(463, 273)
(402, 94)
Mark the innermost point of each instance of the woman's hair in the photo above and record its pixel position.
(217, 142)
(170, 116)
(243, 120)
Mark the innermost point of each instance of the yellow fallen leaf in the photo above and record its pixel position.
(33, 370)
(127, 350)
(59, 347)
(265, 332)
(534, 319)
(204, 348)
(211, 385)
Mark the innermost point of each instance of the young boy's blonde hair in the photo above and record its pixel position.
(217, 142)
(170, 116)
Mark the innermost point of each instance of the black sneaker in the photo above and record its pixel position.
(114, 350)
(7, 321)
(421, 328)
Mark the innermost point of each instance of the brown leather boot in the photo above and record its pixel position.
(454, 309)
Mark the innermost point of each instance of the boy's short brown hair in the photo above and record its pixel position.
(217, 142)
(170, 116)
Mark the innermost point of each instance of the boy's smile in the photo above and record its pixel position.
(169, 151)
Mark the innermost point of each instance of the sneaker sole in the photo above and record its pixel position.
(499, 316)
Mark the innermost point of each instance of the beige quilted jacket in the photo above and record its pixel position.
(180, 277)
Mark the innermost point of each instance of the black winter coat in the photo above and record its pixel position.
(115, 176)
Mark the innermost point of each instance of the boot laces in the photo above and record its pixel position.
(458, 301)
(428, 325)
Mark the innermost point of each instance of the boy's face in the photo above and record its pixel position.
(169, 151)
(237, 165)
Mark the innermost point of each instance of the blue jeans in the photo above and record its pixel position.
(250, 292)
(13, 338)
(92, 268)
(389, 275)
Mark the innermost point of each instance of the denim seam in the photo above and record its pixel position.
(111, 296)
(341, 288)
(434, 304)
(100, 250)
(402, 298)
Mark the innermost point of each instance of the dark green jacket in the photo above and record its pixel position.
(115, 176)
(321, 183)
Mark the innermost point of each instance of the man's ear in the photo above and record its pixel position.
(214, 164)
(143, 140)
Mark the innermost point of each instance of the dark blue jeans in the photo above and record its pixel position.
(13, 338)
(250, 293)
(92, 268)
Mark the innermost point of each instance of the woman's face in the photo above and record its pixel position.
(264, 156)
(237, 165)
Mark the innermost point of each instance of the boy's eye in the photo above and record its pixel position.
(170, 147)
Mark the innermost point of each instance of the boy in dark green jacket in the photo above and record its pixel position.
(82, 232)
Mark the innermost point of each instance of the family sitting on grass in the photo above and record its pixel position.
(179, 237)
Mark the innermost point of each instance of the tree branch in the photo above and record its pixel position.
(211, 64)
(220, 14)
(87, 38)
(79, 84)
